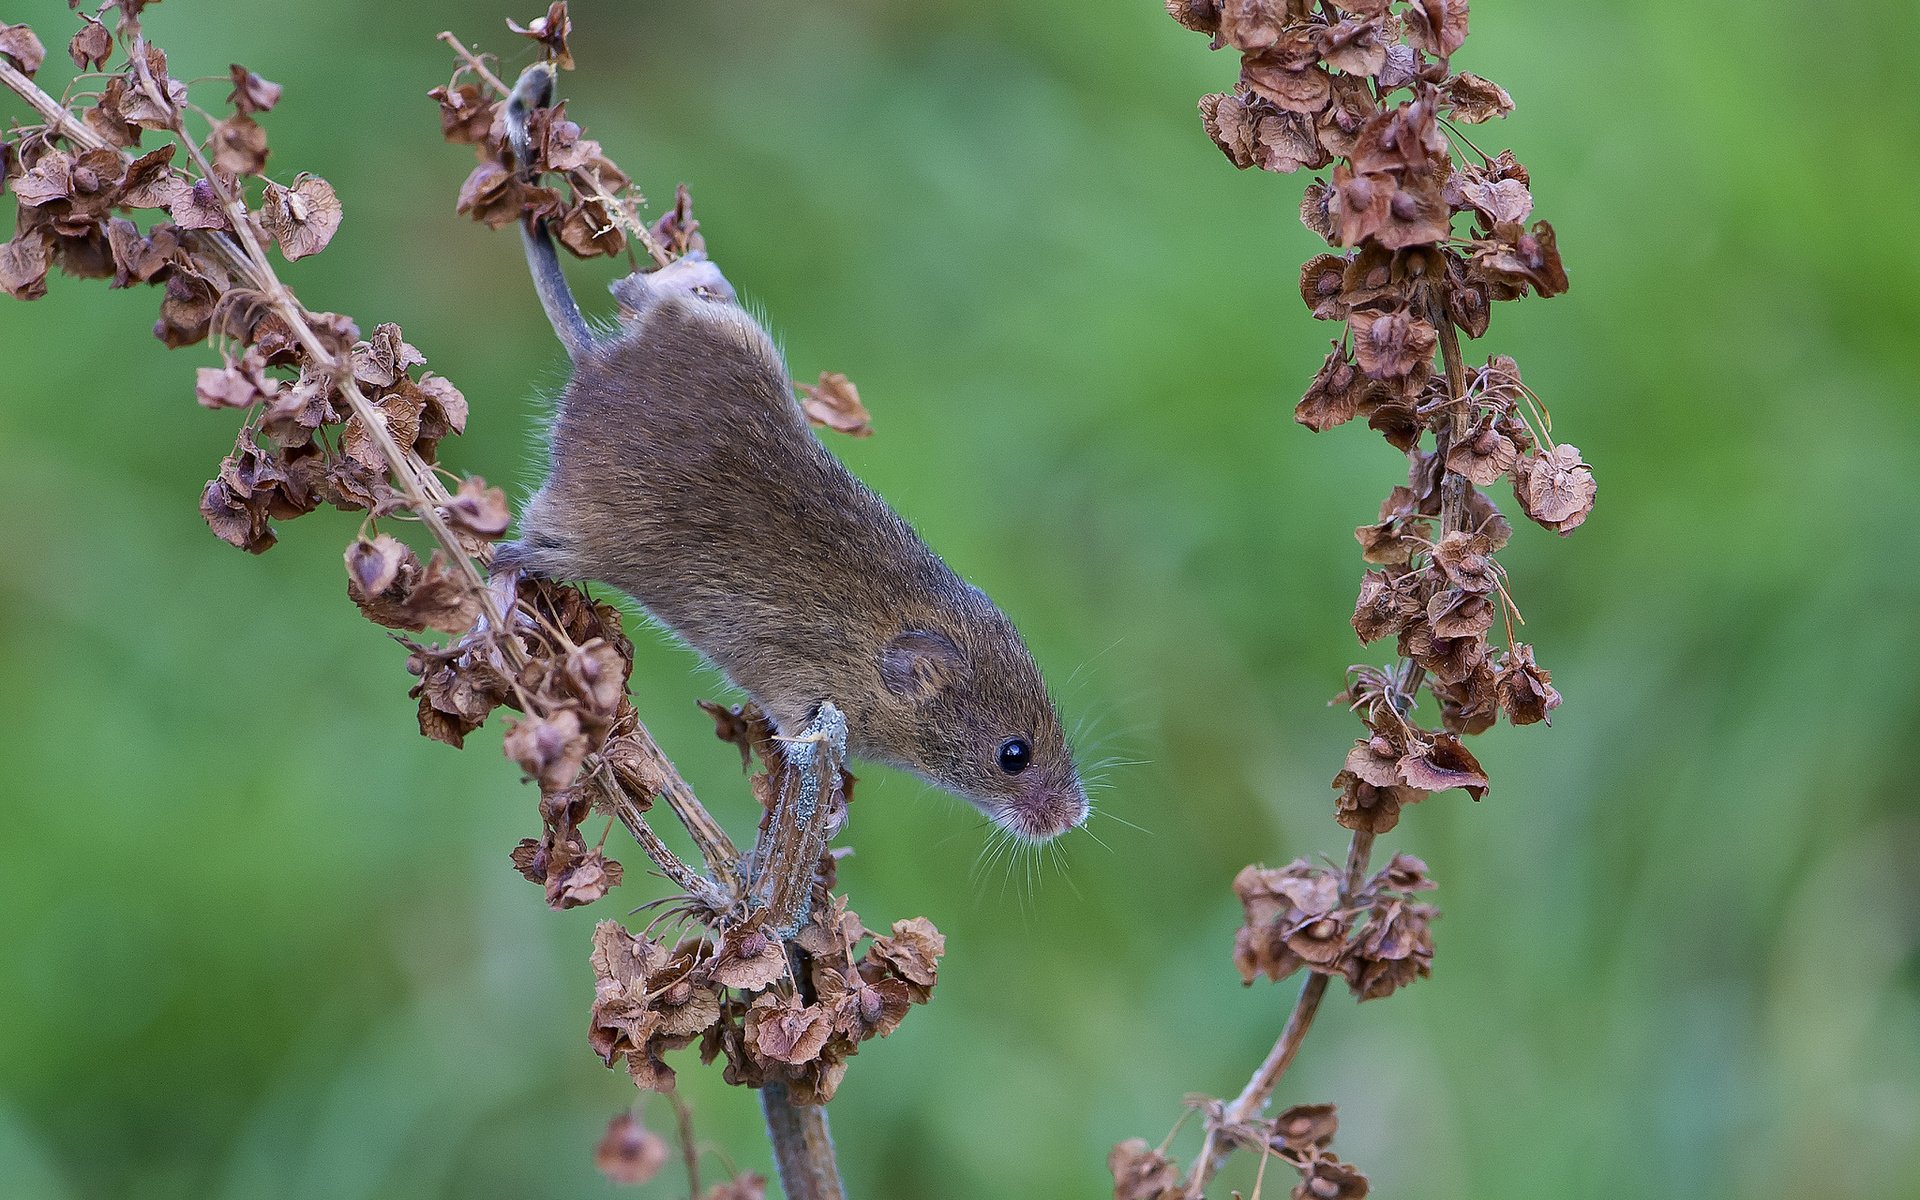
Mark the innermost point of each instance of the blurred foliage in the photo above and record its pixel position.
(261, 939)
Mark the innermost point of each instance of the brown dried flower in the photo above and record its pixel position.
(1141, 1172)
(551, 32)
(629, 1152)
(834, 403)
(1327, 1178)
(1305, 1127)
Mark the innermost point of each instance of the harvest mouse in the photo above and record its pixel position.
(683, 472)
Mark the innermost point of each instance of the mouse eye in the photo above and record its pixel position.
(1014, 755)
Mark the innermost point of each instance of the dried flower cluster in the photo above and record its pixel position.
(594, 206)
(1302, 916)
(739, 999)
(1428, 233)
(331, 417)
(792, 1010)
(1299, 1137)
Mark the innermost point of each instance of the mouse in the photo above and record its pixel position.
(681, 470)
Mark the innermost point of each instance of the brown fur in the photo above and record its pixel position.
(684, 474)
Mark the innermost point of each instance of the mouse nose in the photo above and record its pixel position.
(1045, 809)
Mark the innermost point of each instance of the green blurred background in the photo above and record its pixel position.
(257, 938)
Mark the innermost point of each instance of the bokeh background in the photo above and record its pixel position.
(259, 938)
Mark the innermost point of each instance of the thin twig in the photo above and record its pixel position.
(683, 1120)
(1453, 487)
(1253, 1098)
(717, 850)
(473, 61)
(629, 813)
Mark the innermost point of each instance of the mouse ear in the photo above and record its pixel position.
(921, 663)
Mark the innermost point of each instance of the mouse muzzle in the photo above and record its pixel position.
(1043, 808)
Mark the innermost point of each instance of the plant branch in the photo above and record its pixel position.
(627, 809)
(52, 110)
(802, 1146)
(794, 835)
(1453, 487)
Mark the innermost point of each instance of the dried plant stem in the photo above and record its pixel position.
(51, 109)
(417, 481)
(473, 61)
(786, 860)
(802, 1146)
(1453, 487)
(716, 848)
(795, 834)
(689, 1151)
(425, 494)
(626, 808)
(1253, 1098)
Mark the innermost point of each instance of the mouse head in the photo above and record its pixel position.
(971, 705)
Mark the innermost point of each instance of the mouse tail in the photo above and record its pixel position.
(533, 90)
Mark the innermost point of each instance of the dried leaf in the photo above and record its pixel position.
(1474, 99)
(1525, 689)
(23, 265)
(551, 32)
(478, 509)
(741, 1187)
(548, 749)
(19, 46)
(1334, 396)
(301, 218)
(1141, 1172)
(240, 385)
(374, 566)
(239, 145)
(1392, 344)
(1326, 1177)
(788, 1031)
(589, 231)
(749, 958)
(1201, 16)
(1305, 1127)
(466, 115)
(199, 207)
(834, 403)
(151, 182)
(912, 952)
(1438, 27)
(1444, 763)
(92, 46)
(1251, 24)
(251, 93)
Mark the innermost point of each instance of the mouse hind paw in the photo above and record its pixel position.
(692, 275)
